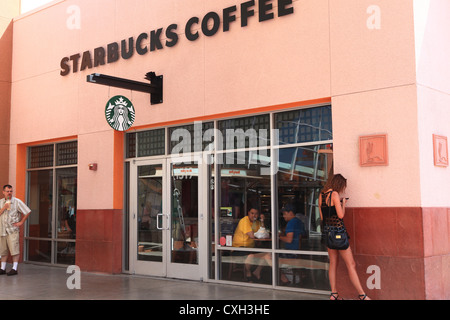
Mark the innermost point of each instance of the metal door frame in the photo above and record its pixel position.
(166, 268)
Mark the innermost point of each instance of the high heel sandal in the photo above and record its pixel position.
(363, 296)
(335, 296)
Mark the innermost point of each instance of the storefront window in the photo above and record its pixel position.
(67, 153)
(302, 173)
(243, 188)
(303, 271)
(145, 143)
(191, 138)
(246, 132)
(41, 157)
(150, 207)
(244, 201)
(130, 145)
(304, 125)
(151, 143)
(184, 229)
(265, 176)
(66, 180)
(52, 195)
(301, 162)
(40, 196)
(246, 266)
(39, 250)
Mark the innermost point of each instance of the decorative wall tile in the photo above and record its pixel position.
(440, 149)
(373, 150)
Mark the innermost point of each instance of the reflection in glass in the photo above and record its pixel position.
(66, 184)
(304, 125)
(191, 137)
(303, 271)
(150, 209)
(184, 226)
(243, 186)
(245, 266)
(40, 189)
(39, 250)
(65, 252)
(246, 132)
(302, 173)
(53, 216)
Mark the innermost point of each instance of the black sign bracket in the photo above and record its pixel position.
(154, 88)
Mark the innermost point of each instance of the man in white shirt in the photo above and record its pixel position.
(13, 214)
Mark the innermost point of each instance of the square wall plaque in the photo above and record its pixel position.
(373, 150)
(440, 151)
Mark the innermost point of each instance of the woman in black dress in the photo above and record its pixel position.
(332, 211)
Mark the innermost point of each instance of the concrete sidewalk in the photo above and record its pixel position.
(35, 282)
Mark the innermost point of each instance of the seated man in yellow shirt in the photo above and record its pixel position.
(244, 234)
(243, 237)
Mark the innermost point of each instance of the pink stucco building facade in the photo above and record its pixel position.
(379, 68)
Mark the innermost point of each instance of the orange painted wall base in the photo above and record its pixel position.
(411, 247)
(99, 241)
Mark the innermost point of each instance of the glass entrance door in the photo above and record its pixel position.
(165, 219)
(148, 218)
(184, 222)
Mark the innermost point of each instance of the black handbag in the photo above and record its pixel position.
(337, 237)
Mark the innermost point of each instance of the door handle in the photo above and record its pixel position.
(157, 221)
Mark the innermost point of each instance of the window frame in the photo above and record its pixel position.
(54, 240)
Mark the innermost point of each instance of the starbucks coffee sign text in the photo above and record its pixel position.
(147, 42)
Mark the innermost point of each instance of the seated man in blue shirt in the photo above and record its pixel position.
(294, 229)
(292, 236)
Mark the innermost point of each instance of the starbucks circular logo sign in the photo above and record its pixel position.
(119, 113)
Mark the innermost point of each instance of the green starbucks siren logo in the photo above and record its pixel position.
(120, 113)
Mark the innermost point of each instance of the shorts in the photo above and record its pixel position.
(10, 243)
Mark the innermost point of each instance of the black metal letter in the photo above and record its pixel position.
(245, 13)
(189, 35)
(75, 59)
(65, 68)
(113, 52)
(227, 17)
(139, 48)
(216, 24)
(282, 10)
(155, 41)
(99, 56)
(127, 54)
(171, 35)
(263, 8)
(86, 61)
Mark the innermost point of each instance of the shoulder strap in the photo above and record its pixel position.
(331, 194)
(326, 195)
